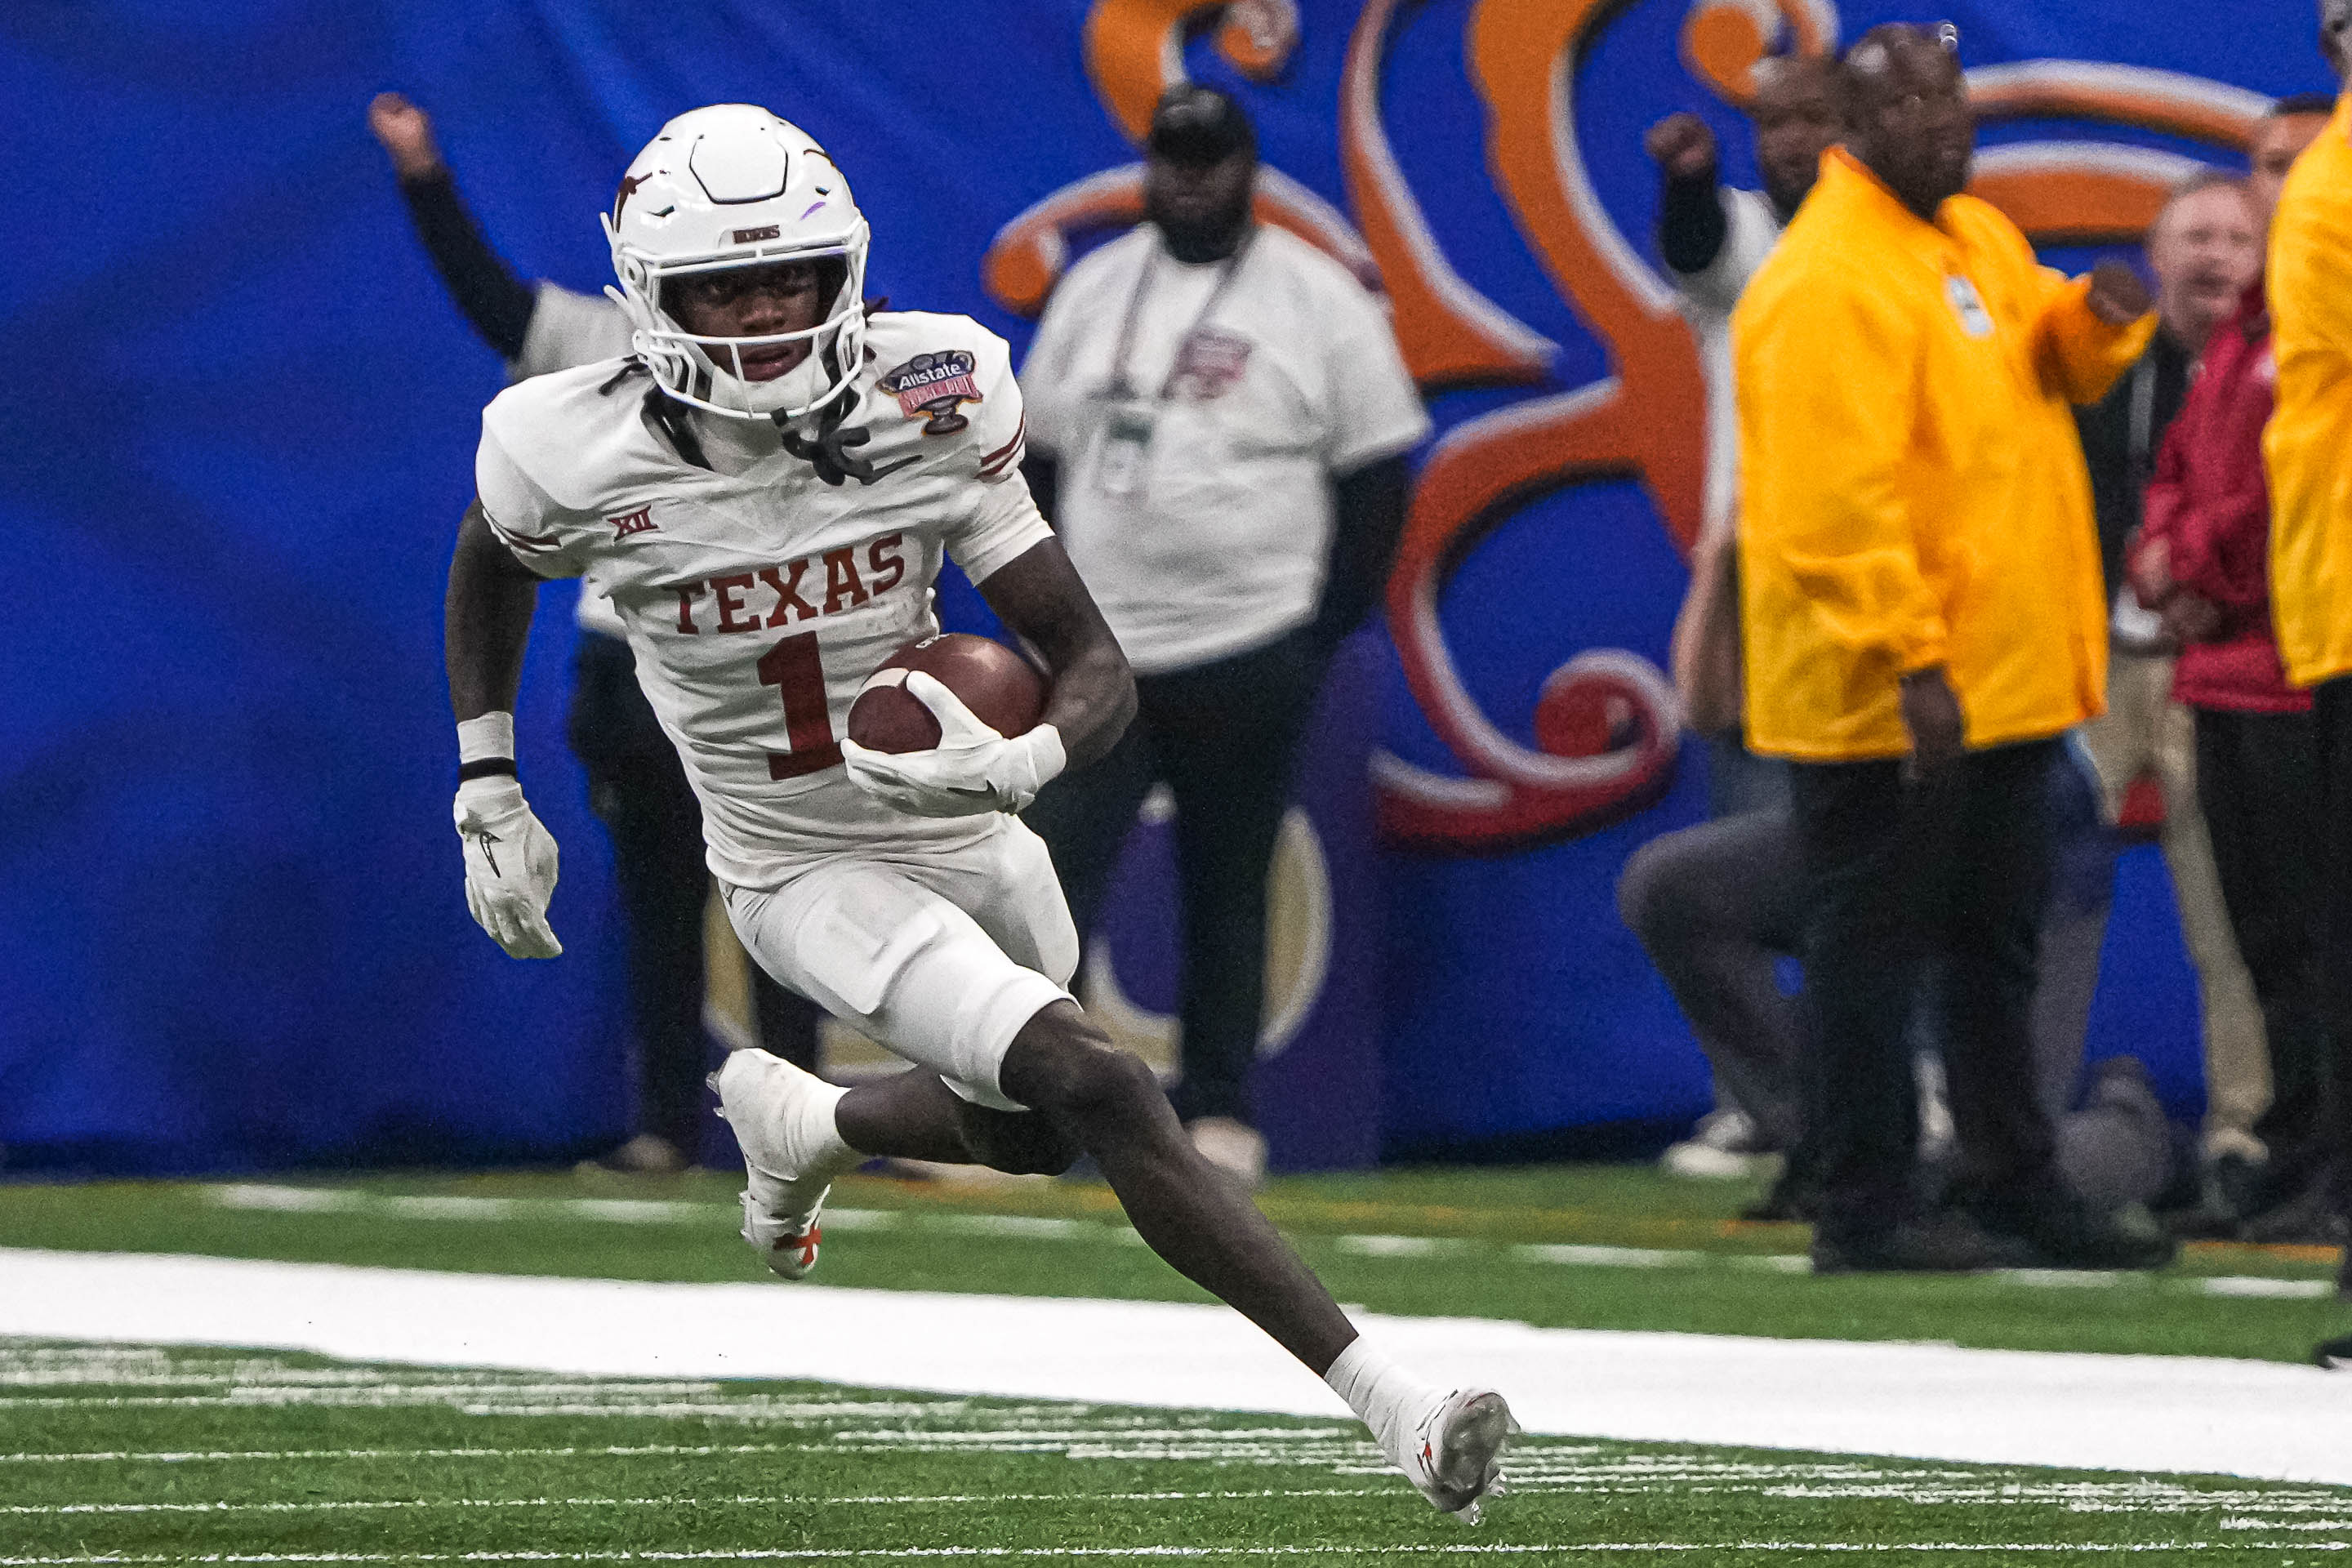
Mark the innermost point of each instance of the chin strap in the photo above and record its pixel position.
(829, 454)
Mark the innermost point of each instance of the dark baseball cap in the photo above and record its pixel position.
(1199, 125)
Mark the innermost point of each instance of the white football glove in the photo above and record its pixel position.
(510, 866)
(972, 769)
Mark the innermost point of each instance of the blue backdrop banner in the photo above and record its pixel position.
(240, 427)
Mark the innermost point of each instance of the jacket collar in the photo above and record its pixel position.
(1863, 193)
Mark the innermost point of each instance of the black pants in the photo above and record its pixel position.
(2331, 840)
(1221, 736)
(2258, 784)
(1942, 885)
(639, 788)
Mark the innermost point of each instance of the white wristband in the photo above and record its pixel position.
(491, 735)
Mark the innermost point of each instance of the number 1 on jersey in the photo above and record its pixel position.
(794, 667)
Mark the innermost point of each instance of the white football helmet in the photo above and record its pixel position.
(732, 185)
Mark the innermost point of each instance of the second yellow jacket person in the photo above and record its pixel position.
(1913, 491)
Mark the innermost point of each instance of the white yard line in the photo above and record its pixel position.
(412, 1505)
(2180, 1413)
(938, 1553)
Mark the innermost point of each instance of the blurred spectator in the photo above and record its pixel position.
(2203, 561)
(2307, 452)
(2204, 250)
(1718, 906)
(635, 784)
(1712, 902)
(1218, 418)
(1903, 367)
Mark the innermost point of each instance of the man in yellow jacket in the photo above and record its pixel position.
(2307, 449)
(1924, 615)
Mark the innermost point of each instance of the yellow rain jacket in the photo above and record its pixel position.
(2307, 447)
(1912, 488)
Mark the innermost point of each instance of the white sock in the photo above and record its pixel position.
(818, 1136)
(1384, 1396)
(807, 1137)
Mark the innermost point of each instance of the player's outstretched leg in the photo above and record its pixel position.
(1448, 1441)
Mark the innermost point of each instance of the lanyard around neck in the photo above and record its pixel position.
(1119, 386)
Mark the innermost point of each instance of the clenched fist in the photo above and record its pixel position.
(1682, 146)
(2118, 296)
(406, 133)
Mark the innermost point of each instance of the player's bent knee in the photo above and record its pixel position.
(1064, 1064)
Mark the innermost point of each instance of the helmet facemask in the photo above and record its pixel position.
(707, 372)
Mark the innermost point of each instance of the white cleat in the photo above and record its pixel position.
(767, 1100)
(1456, 1458)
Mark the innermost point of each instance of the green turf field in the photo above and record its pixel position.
(1568, 1246)
(133, 1455)
(128, 1454)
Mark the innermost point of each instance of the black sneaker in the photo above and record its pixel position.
(1946, 1242)
(2336, 1355)
(2065, 1231)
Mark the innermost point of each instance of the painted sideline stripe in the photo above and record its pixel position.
(282, 1199)
(2180, 1413)
(935, 1553)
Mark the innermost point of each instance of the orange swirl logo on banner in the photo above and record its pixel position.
(1606, 726)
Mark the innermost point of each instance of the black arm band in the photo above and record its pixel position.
(1691, 225)
(485, 768)
(497, 302)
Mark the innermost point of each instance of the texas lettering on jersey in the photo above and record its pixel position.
(838, 581)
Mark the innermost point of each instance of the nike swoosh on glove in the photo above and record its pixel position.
(509, 866)
(972, 769)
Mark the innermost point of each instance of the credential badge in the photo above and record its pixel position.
(934, 384)
(1969, 305)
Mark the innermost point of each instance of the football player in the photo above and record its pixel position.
(766, 487)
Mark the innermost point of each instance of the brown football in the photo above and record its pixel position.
(996, 683)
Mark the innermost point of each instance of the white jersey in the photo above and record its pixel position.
(1249, 387)
(758, 601)
(1751, 228)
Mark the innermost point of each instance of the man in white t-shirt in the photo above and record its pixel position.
(1218, 424)
(768, 487)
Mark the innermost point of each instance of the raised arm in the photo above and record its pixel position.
(1039, 596)
(2091, 331)
(496, 302)
(1691, 223)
